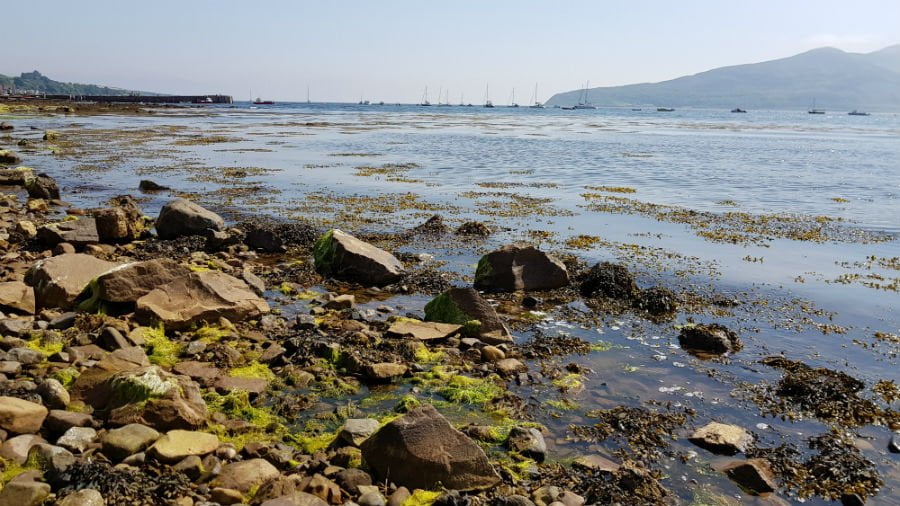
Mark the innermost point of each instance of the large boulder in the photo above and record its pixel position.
(16, 296)
(58, 280)
(130, 282)
(78, 233)
(200, 297)
(517, 267)
(123, 222)
(342, 256)
(41, 186)
(422, 450)
(155, 398)
(466, 307)
(182, 217)
(20, 416)
(613, 281)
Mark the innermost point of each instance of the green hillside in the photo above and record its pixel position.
(36, 82)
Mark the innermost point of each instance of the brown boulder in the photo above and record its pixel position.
(722, 438)
(182, 217)
(422, 450)
(343, 256)
(78, 233)
(245, 475)
(198, 297)
(713, 339)
(20, 416)
(16, 296)
(423, 331)
(754, 475)
(515, 267)
(130, 282)
(155, 398)
(466, 307)
(58, 280)
(123, 222)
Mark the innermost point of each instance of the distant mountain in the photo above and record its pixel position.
(36, 82)
(837, 80)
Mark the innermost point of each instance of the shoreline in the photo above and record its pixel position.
(517, 474)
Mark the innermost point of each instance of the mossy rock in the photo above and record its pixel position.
(342, 256)
(464, 306)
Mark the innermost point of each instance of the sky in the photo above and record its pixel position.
(391, 50)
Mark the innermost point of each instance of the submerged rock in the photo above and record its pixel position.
(464, 306)
(613, 281)
(657, 301)
(345, 257)
(200, 297)
(58, 280)
(754, 475)
(182, 217)
(421, 449)
(149, 186)
(8, 157)
(516, 267)
(474, 228)
(714, 339)
(722, 438)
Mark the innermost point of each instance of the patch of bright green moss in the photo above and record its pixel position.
(484, 271)
(163, 351)
(236, 404)
(569, 382)
(421, 498)
(442, 309)
(425, 356)
(406, 404)
(44, 345)
(324, 252)
(211, 334)
(460, 389)
(286, 288)
(65, 376)
(314, 443)
(253, 370)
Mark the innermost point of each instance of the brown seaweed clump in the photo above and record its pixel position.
(646, 432)
(639, 485)
(822, 393)
(147, 487)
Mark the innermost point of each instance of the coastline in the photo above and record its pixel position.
(290, 278)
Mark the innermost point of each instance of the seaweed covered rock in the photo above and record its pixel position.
(464, 306)
(8, 157)
(78, 233)
(128, 283)
(41, 186)
(613, 281)
(155, 398)
(421, 449)
(277, 237)
(713, 339)
(15, 177)
(516, 267)
(754, 475)
(342, 256)
(657, 301)
(182, 217)
(200, 297)
(57, 281)
(473, 228)
(123, 222)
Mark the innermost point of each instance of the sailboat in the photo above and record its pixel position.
(307, 95)
(512, 99)
(534, 101)
(425, 101)
(487, 100)
(361, 101)
(813, 110)
(446, 102)
(855, 112)
(582, 99)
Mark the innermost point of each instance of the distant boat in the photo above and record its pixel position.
(534, 101)
(854, 112)
(636, 109)
(738, 109)
(813, 109)
(582, 99)
(512, 99)
(425, 101)
(487, 100)
(260, 101)
(665, 109)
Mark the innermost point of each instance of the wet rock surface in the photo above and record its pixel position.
(712, 339)
(519, 267)
(343, 256)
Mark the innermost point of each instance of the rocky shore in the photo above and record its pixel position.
(168, 359)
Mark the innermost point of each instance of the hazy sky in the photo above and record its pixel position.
(390, 50)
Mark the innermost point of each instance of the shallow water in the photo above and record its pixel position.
(762, 162)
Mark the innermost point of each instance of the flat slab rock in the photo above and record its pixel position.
(57, 281)
(16, 296)
(423, 331)
(198, 297)
(722, 438)
(175, 445)
(421, 449)
(754, 475)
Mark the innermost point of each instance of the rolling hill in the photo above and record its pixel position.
(836, 79)
(36, 82)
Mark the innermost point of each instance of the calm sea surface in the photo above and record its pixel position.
(475, 163)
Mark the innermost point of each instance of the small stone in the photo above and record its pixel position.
(54, 394)
(226, 495)
(353, 480)
(175, 445)
(371, 499)
(399, 497)
(527, 441)
(54, 459)
(83, 497)
(492, 354)
(596, 463)
(16, 448)
(341, 302)
(712, 339)
(754, 475)
(385, 371)
(894, 445)
(130, 439)
(722, 438)
(510, 366)
(20, 416)
(24, 493)
(77, 439)
(357, 430)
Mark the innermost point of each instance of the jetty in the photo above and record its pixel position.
(129, 99)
